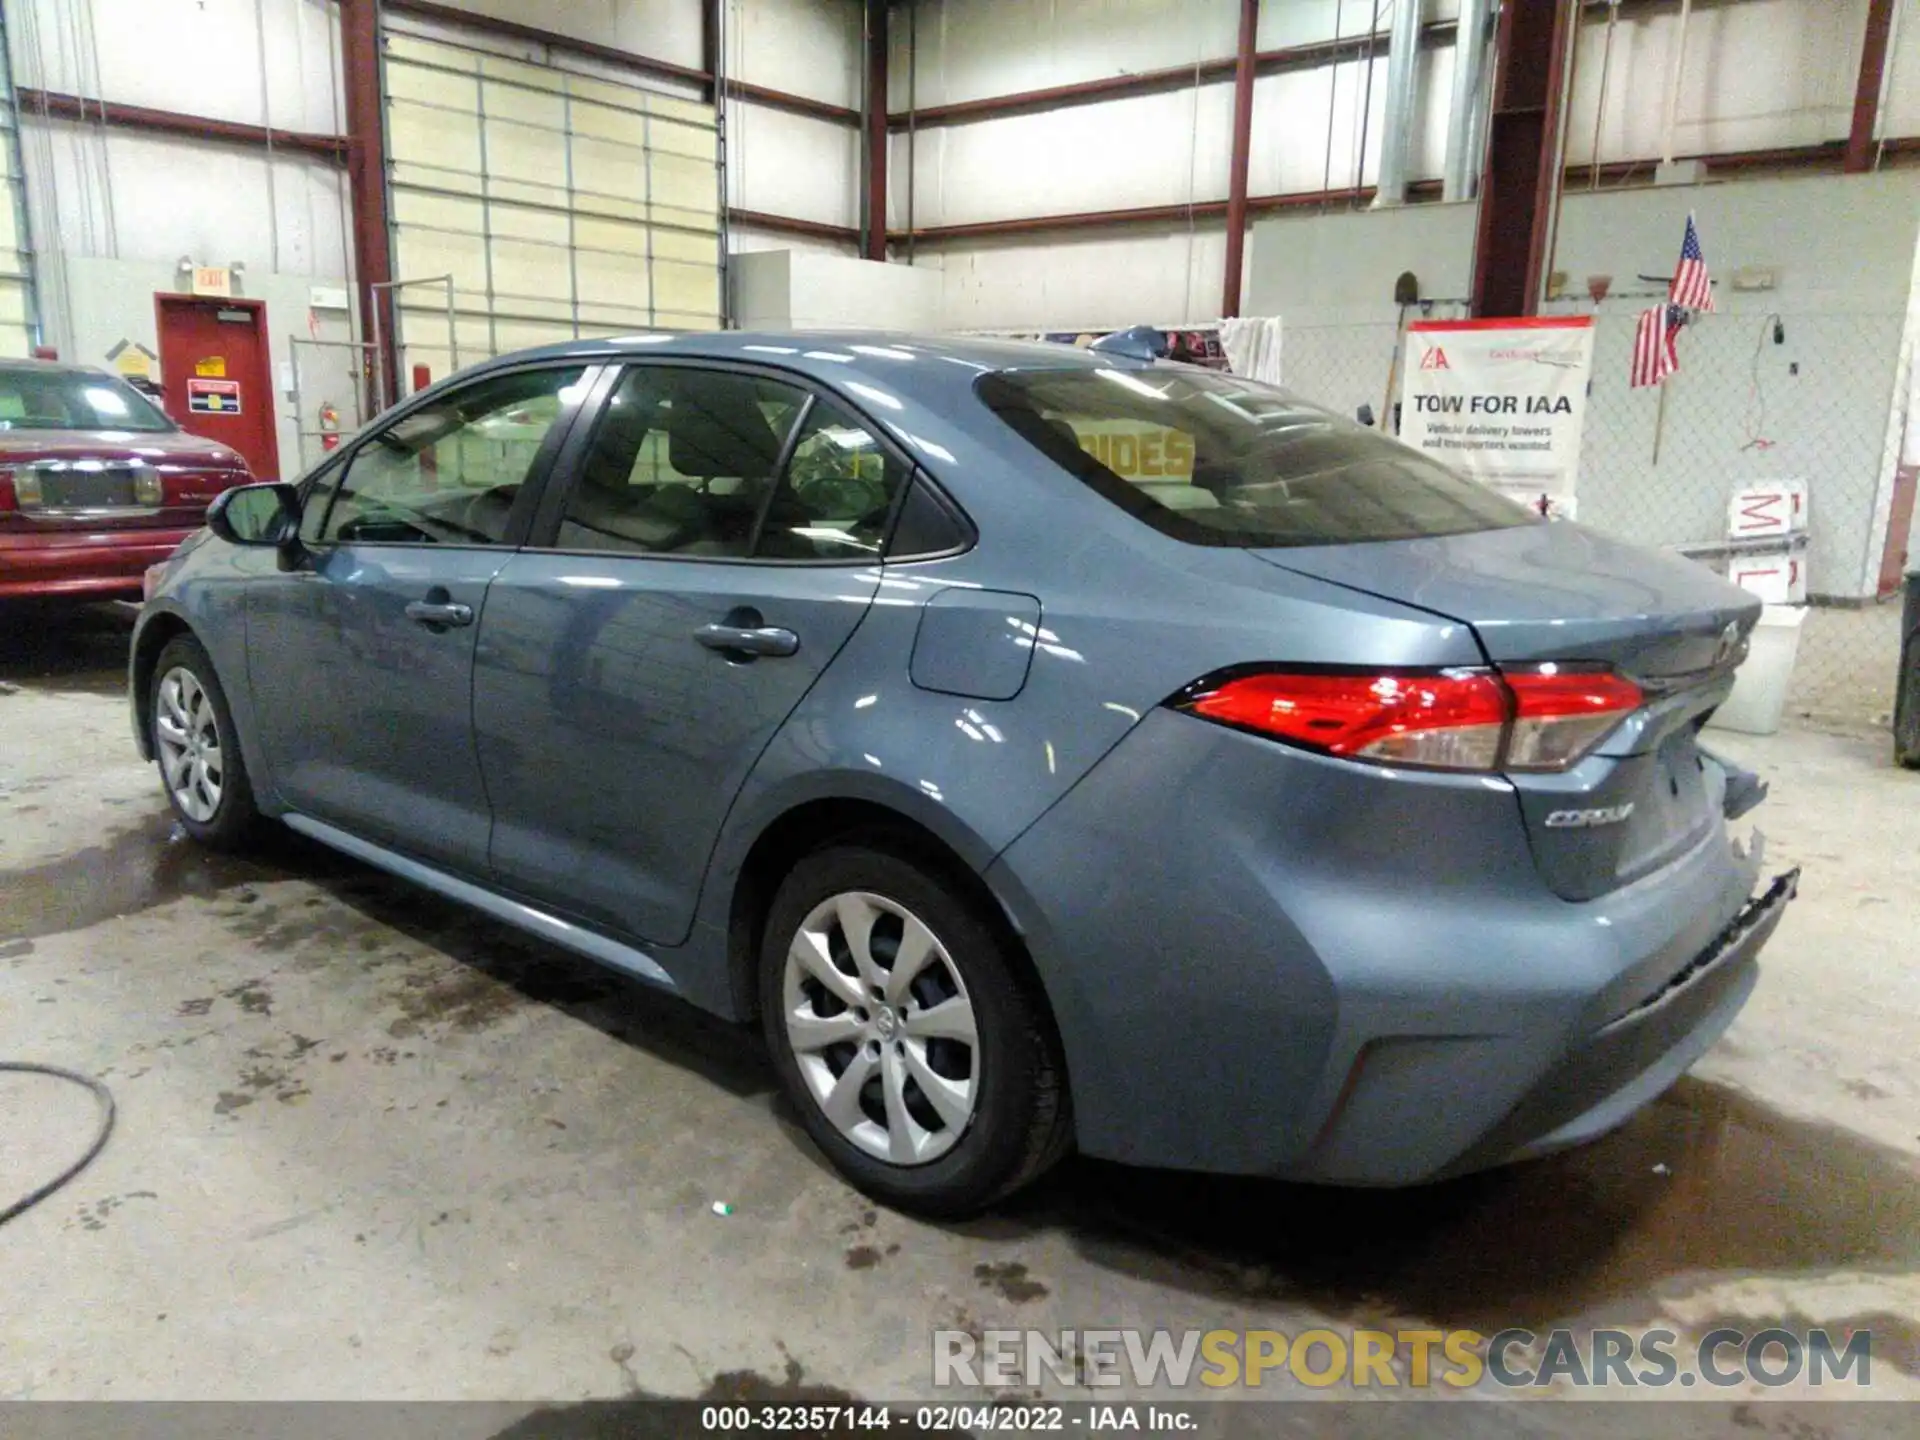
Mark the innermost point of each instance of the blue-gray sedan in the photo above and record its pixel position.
(1051, 750)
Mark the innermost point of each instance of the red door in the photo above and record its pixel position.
(1893, 557)
(213, 367)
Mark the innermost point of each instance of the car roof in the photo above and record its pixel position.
(13, 365)
(831, 355)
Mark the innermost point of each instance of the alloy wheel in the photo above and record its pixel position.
(882, 1028)
(188, 738)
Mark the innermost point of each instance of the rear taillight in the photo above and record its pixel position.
(1454, 719)
(1560, 715)
(1541, 718)
(7, 502)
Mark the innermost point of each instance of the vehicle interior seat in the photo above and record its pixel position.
(721, 449)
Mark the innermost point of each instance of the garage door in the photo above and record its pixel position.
(16, 281)
(562, 205)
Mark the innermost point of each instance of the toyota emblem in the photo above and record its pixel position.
(1729, 645)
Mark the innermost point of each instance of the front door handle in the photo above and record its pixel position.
(439, 614)
(748, 640)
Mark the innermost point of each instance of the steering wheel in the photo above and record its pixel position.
(847, 496)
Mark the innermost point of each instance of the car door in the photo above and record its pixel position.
(705, 551)
(360, 655)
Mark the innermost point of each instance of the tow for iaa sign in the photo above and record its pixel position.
(1503, 400)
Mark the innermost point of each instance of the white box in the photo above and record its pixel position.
(1760, 687)
(1776, 577)
(1772, 507)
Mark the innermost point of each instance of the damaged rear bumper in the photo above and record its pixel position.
(1636, 1056)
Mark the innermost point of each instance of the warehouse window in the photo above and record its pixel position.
(1214, 460)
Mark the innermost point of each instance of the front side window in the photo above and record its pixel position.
(52, 399)
(1215, 460)
(450, 472)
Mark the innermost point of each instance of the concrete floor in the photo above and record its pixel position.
(372, 1147)
(1845, 667)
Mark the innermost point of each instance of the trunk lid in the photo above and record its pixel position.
(1554, 592)
(87, 479)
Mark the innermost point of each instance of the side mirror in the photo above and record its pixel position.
(266, 516)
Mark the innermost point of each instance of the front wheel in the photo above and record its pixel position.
(919, 1062)
(196, 747)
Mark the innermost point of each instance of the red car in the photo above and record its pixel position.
(96, 483)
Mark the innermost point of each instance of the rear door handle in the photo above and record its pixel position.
(751, 640)
(435, 614)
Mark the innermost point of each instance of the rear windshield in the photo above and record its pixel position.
(1215, 460)
(74, 400)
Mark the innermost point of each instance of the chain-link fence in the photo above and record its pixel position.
(1760, 398)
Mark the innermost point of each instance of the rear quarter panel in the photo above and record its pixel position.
(1127, 618)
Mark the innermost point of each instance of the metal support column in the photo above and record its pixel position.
(710, 49)
(1522, 178)
(1866, 95)
(874, 246)
(1242, 155)
(367, 175)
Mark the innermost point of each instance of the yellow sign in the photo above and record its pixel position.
(132, 359)
(212, 280)
(1137, 452)
(213, 367)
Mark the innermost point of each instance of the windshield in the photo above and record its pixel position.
(1215, 460)
(74, 400)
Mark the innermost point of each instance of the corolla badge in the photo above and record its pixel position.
(1586, 819)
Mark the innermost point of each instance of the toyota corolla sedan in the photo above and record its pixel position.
(96, 483)
(1049, 749)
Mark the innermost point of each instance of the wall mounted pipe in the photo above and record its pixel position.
(1403, 70)
(1469, 86)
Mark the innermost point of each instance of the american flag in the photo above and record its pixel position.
(1692, 287)
(1654, 355)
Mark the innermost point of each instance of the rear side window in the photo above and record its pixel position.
(1215, 460)
(837, 495)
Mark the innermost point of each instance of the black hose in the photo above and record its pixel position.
(104, 1098)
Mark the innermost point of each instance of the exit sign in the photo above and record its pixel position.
(209, 280)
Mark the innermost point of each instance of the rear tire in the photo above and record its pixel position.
(918, 1060)
(1906, 713)
(197, 749)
